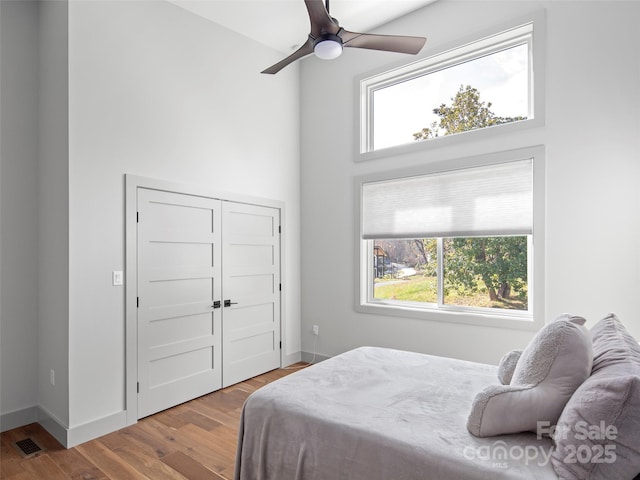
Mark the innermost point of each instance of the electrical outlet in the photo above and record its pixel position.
(52, 377)
(316, 330)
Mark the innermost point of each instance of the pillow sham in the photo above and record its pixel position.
(597, 436)
(556, 361)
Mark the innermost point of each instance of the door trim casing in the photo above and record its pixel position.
(132, 183)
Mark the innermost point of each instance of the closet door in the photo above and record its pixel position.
(250, 291)
(179, 279)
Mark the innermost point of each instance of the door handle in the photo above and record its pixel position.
(228, 303)
(216, 304)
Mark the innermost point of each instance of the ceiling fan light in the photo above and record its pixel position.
(328, 47)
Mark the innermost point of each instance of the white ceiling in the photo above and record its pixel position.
(284, 24)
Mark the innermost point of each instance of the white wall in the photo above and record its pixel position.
(18, 212)
(159, 92)
(592, 153)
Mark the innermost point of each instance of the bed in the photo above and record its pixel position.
(330, 421)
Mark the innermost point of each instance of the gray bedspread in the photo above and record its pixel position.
(374, 413)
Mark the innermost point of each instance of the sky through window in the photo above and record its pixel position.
(502, 78)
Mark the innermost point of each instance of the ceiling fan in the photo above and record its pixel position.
(327, 39)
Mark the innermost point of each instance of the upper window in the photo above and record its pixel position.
(485, 83)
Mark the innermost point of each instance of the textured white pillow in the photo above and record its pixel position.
(507, 366)
(610, 400)
(550, 369)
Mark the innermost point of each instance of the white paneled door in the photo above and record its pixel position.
(251, 291)
(179, 276)
(194, 256)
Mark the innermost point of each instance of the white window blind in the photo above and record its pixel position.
(490, 200)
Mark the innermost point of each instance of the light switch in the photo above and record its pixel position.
(117, 277)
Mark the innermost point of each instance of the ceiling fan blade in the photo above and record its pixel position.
(321, 21)
(388, 43)
(303, 51)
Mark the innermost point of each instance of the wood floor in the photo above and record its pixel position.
(195, 441)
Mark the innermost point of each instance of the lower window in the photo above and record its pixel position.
(457, 272)
(461, 242)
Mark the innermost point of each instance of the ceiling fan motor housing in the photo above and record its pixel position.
(327, 46)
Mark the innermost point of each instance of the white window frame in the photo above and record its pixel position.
(533, 319)
(530, 30)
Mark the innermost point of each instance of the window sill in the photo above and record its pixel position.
(498, 319)
(491, 134)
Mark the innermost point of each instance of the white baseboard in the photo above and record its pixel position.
(18, 418)
(53, 425)
(313, 357)
(291, 359)
(97, 428)
(302, 357)
(70, 437)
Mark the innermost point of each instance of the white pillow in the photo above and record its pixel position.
(508, 365)
(550, 369)
(609, 399)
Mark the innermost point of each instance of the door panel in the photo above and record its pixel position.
(251, 256)
(171, 330)
(259, 344)
(243, 283)
(179, 277)
(251, 281)
(174, 366)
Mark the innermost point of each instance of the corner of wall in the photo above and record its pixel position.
(53, 213)
(53, 425)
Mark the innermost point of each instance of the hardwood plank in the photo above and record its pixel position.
(148, 465)
(21, 475)
(44, 467)
(200, 420)
(76, 466)
(204, 447)
(171, 417)
(227, 399)
(190, 468)
(149, 433)
(109, 462)
(10, 467)
(211, 410)
(116, 440)
(150, 441)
